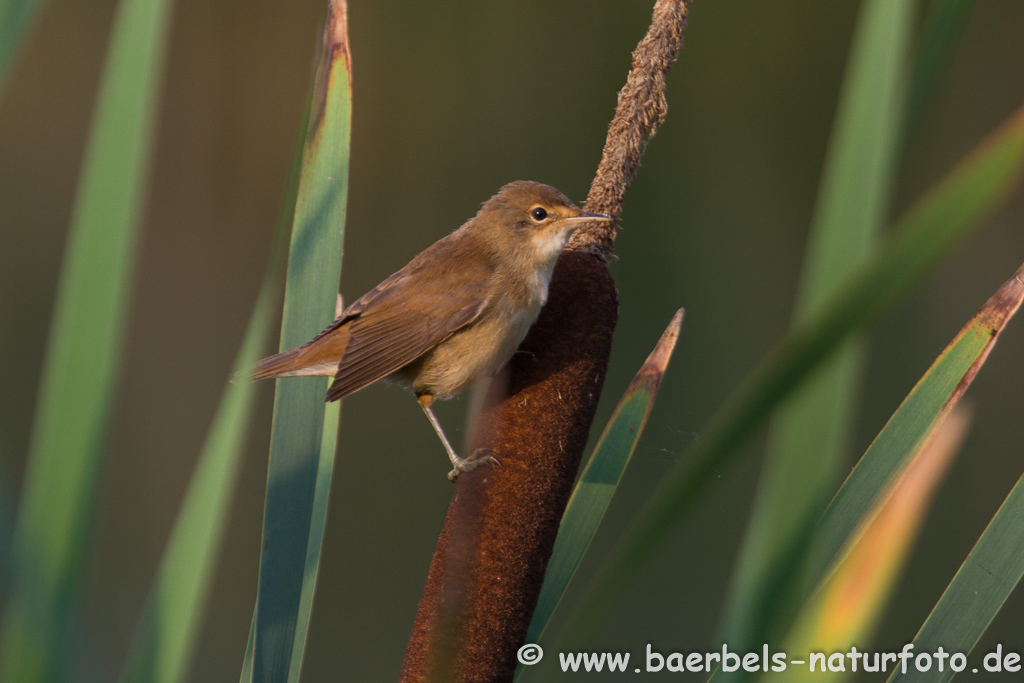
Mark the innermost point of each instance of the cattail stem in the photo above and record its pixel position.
(501, 525)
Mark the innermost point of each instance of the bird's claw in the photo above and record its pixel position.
(481, 456)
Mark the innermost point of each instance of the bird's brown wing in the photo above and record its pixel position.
(408, 314)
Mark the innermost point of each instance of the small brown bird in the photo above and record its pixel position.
(454, 314)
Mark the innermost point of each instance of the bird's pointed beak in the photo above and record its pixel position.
(587, 217)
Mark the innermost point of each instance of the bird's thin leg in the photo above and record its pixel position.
(482, 456)
(440, 432)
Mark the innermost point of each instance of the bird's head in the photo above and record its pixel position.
(531, 220)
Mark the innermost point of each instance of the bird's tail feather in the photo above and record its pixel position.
(278, 365)
(291, 363)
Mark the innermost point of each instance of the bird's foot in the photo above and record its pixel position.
(481, 456)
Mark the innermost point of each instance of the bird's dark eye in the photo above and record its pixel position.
(538, 213)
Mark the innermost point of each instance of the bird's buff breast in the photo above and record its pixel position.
(476, 351)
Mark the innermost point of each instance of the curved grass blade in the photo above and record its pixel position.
(843, 612)
(81, 365)
(304, 432)
(934, 396)
(601, 476)
(809, 433)
(975, 595)
(929, 230)
(165, 638)
(913, 424)
(16, 16)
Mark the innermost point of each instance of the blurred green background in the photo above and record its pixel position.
(451, 101)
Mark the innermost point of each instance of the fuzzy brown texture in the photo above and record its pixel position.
(640, 111)
(501, 525)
